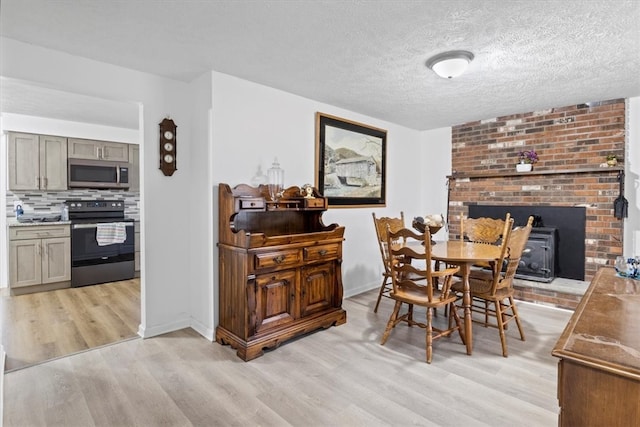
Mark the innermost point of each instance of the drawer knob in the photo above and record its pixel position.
(279, 259)
(322, 252)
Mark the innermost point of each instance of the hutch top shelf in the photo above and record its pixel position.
(249, 218)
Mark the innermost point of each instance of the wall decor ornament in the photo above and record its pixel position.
(350, 162)
(168, 131)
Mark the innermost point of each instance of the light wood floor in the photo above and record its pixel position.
(45, 325)
(341, 376)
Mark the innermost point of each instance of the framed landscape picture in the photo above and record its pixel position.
(350, 162)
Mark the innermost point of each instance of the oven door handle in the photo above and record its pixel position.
(79, 226)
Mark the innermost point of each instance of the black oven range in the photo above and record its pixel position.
(102, 242)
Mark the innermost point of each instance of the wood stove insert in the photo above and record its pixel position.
(569, 224)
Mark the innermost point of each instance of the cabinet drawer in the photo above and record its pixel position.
(317, 203)
(38, 232)
(321, 252)
(278, 258)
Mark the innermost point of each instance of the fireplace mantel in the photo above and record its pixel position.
(504, 173)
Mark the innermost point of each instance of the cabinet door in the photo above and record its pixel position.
(25, 266)
(24, 161)
(275, 299)
(83, 149)
(134, 167)
(114, 151)
(53, 163)
(56, 260)
(317, 288)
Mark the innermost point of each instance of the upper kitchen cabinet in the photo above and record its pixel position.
(37, 162)
(98, 150)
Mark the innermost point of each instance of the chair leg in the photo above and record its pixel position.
(486, 313)
(517, 316)
(499, 320)
(385, 280)
(391, 323)
(429, 334)
(454, 314)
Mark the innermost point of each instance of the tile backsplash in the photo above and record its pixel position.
(37, 202)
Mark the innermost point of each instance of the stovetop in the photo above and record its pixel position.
(96, 206)
(85, 211)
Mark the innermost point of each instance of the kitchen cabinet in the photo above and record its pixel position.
(39, 255)
(599, 352)
(134, 167)
(37, 162)
(98, 150)
(279, 268)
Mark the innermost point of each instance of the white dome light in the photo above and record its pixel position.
(450, 64)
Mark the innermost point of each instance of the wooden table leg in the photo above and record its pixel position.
(466, 303)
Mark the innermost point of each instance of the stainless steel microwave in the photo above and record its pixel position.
(98, 174)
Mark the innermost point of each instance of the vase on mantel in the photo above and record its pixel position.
(524, 167)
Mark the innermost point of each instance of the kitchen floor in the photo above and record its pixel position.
(46, 325)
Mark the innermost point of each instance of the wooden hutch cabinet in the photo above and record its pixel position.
(279, 268)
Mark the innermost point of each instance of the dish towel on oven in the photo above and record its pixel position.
(109, 233)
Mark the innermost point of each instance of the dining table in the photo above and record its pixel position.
(465, 255)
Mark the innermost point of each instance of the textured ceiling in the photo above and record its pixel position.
(364, 56)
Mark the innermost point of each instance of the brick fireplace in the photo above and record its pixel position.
(572, 143)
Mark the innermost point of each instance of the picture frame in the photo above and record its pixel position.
(350, 162)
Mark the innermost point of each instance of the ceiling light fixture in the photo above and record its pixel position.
(450, 64)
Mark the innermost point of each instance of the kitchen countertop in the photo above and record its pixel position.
(12, 222)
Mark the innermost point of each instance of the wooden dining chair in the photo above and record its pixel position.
(492, 291)
(412, 279)
(485, 230)
(381, 224)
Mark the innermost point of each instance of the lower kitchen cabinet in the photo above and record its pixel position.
(39, 255)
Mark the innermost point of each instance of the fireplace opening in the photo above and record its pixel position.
(557, 241)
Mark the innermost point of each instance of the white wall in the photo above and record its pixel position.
(48, 126)
(436, 154)
(199, 211)
(252, 124)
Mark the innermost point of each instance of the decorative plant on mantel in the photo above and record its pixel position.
(527, 159)
(528, 156)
